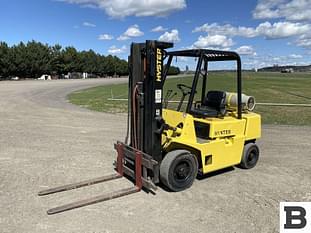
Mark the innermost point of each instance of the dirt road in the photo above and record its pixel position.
(45, 141)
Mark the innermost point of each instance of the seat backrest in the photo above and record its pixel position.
(216, 100)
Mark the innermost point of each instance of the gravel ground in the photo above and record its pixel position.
(45, 141)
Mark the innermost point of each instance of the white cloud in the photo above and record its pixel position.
(282, 29)
(87, 24)
(246, 50)
(270, 31)
(304, 41)
(105, 37)
(114, 50)
(123, 8)
(266, 9)
(213, 42)
(122, 37)
(159, 29)
(172, 36)
(183, 59)
(293, 10)
(132, 31)
(226, 30)
(287, 59)
(295, 56)
(271, 60)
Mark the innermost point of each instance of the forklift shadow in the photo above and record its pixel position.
(164, 188)
(215, 173)
(202, 177)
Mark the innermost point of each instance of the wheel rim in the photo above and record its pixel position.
(182, 171)
(252, 156)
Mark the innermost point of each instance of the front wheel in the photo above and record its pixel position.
(178, 170)
(250, 156)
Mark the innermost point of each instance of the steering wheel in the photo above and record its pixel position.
(184, 88)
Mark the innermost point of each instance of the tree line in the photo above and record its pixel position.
(33, 59)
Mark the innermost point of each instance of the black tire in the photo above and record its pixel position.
(178, 170)
(250, 156)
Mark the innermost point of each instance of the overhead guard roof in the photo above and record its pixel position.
(211, 55)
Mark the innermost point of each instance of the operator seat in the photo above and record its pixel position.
(213, 105)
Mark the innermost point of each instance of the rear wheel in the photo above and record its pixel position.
(250, 156)
(178, 170)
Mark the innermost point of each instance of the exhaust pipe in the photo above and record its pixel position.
(248, 102)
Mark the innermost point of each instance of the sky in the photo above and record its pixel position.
(263, 32)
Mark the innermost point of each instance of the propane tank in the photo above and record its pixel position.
(248, 102)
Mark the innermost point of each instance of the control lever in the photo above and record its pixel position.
(185, 90)
(163, 126)
(168, 97)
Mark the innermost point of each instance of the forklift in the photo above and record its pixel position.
(216, 129)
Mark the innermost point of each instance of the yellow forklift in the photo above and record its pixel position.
(215, 131)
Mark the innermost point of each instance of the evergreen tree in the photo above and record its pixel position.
(34, 59)
(5, 61)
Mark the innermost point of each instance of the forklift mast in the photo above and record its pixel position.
(146, 75)
(140, 158)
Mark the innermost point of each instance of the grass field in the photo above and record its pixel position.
(265, 87)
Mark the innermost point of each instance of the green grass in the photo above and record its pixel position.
(266, 87)
(97, 98)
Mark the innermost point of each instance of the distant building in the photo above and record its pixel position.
(84, 75)
(287, 70)
(45, 77)
(15, 78)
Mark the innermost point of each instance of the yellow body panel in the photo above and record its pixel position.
(217, 142)
(253, 126)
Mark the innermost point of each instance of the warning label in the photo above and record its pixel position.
(158, 96)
